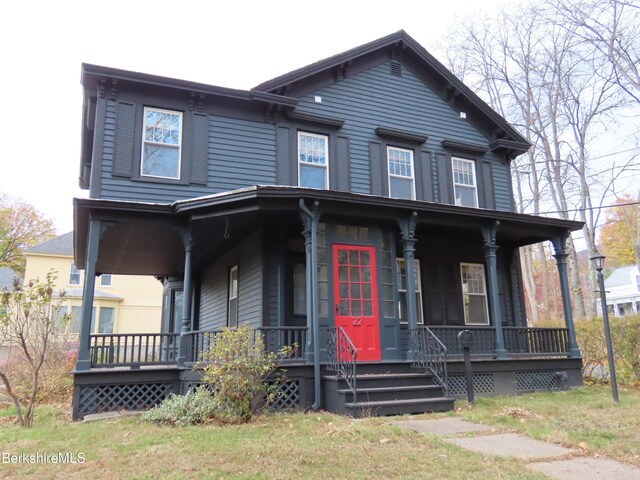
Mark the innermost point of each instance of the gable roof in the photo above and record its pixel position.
(401, 44)
(62, 245)
(7, 276)
(620, 277)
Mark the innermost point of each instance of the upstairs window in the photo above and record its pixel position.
(161, 144)
(105, 280)
(74, 275)
(464, 182)
(474, 294)
(313, 160)
(401, 176)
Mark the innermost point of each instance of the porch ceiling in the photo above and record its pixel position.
(142, 238)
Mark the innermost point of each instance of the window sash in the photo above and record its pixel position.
(107, 316)
(232, 305)
(474, 289)
(106, 280)
(304, 150)
(464, 179)
(74, 275)
(161, 144)
(402, 290)
(400, 166)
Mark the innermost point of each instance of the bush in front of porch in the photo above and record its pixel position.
(234, 384)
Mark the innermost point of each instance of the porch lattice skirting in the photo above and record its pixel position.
(110, 398)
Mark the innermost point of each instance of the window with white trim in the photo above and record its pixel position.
(402, 290)
(401, 173)
(105, 280)
(232, 307)
(638, 282)
(74, 275)
(313, 160)
(161, 144)
(465, 188)
(474, 294)
(107, 315)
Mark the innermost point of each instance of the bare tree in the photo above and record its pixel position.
(561, 92)
(27, 332)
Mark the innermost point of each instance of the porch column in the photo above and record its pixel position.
(95, 230)
(560, 248)
(184, 346)
(490, 248)
(306, 233)
(408, 242)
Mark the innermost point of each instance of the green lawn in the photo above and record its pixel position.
(585, 418)
(321, 445)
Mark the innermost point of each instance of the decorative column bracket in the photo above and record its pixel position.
(560, 248)
(408, 241)
(184, 348)
(490, 248)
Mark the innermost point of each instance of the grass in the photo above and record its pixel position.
(323, 445)
(586, 419)
(274, 446)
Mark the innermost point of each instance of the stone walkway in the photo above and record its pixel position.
(552, 460)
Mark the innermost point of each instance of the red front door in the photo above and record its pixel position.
(356, 298)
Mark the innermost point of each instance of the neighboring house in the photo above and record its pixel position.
(360, 207)
(121, 303)
(623, 291)
(7, 278)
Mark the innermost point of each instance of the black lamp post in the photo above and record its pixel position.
(598, 264)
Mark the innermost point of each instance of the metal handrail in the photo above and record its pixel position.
(341, 356)
(430, 354)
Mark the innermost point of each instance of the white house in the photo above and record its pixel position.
(623, 291)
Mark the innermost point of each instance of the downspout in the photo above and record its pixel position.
(313, 217)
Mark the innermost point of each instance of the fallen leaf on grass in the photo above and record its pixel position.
(384, 440)
(583, 446)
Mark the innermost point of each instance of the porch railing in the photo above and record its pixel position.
(133, 349)
(519, 341)
(529, 341)
(341, 357)
(430, 354)
(276, 338)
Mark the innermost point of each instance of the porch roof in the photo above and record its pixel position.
(145, 238)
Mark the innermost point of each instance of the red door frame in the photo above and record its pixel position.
(355, 294)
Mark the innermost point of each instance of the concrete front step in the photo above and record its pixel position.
(392, 393)
(399, 407)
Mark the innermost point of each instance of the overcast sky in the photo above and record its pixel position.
(234, 44)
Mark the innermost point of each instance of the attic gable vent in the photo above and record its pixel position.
(396, 69)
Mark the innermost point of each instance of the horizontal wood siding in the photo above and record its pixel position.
(375, 98)
(214, 286)
(240, 153)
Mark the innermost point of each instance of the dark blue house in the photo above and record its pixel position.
(360, 207)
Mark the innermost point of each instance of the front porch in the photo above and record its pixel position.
(137, 371)
(358, 289)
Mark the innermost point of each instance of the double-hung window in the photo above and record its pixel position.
(74, 275)
(401, 173)
(313, 160)
(232, 307)
(474, 294)
(161, 144)
(402, 290)
(464, 182)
